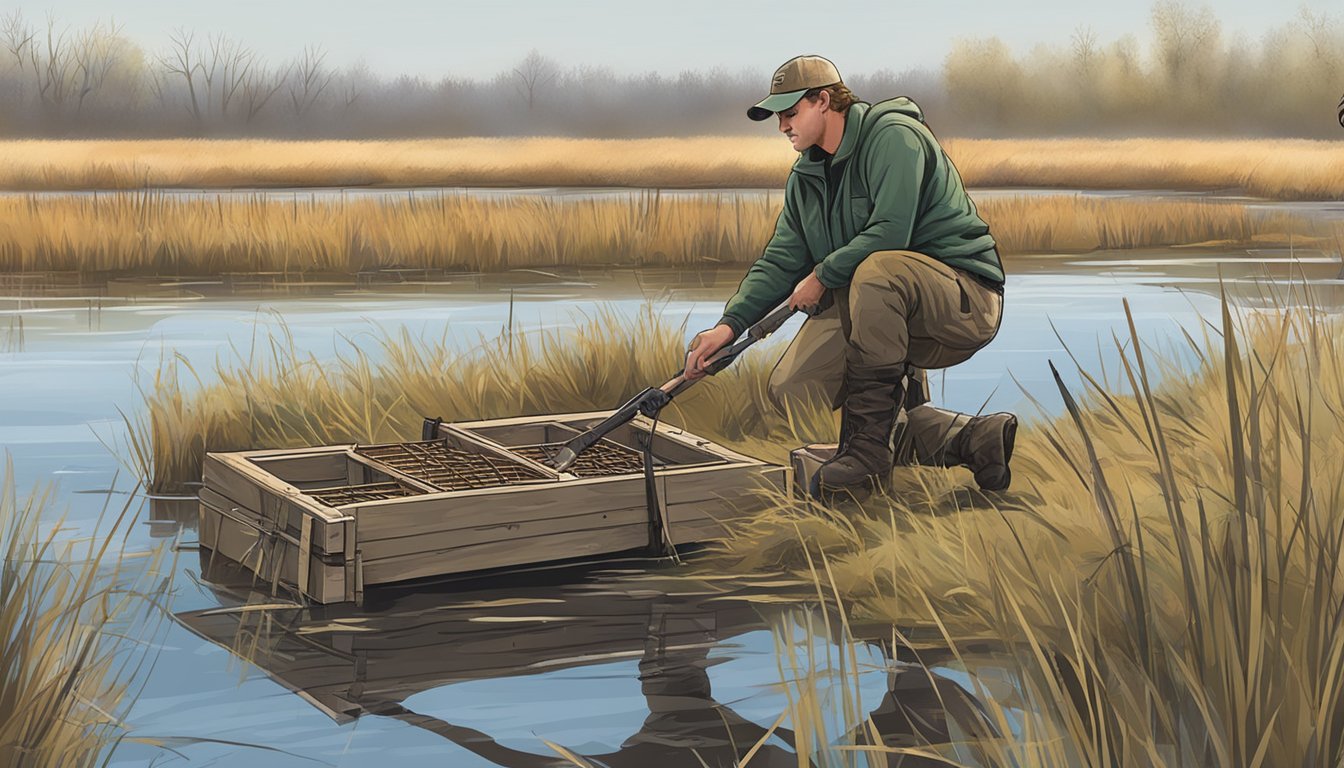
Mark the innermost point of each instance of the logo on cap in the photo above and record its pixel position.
(779, 79)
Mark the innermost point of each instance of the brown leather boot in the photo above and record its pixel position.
(985, 445)
(868, 417)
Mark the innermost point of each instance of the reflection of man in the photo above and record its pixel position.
(687, 726)
(874, 213)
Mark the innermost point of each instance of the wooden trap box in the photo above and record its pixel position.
(327, 522)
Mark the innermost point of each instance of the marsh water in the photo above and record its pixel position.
(615, 661)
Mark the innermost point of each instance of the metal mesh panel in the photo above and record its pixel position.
(604, 458)
(355, 494)
(452, 469)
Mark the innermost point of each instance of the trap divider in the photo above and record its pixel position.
(402, 460)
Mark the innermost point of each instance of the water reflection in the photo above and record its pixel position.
(432, 657)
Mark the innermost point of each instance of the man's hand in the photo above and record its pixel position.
(703, 347)
(807, 294)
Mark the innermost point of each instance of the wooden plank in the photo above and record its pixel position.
(501, 554)
(466, 441)
(241, 466)
(328, 537)
(222, 476)
(269, 453)
(226, 532)
(460, 510)
(352, 585)
(305, 554)
(372, 467)
(596, 522)
(530, 433)
(310, 470)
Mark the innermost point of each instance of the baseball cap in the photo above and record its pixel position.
(793, 79)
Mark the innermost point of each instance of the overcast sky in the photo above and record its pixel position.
(434, 38)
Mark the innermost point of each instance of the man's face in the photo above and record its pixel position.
(803, 122)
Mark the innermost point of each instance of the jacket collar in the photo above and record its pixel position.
(812, 161)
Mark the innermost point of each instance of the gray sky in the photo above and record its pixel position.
(477, 39)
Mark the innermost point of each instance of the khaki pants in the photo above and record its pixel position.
(900, 307)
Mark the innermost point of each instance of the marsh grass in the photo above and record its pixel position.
(1163, 582)
(70, 615)
(153, 233)
(383, 383)
(1278, 169)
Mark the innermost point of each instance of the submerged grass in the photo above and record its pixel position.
(152, 233)
(68, 612)
(1278, 169)
(1163, 583)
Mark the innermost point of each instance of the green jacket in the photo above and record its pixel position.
(889, 186)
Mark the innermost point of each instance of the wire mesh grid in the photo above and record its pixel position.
(449, 468)
(356, 494)
(604, 458)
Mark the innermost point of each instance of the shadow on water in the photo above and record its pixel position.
(351, 662)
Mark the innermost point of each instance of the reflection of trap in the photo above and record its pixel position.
(449, 468)
(328, 521)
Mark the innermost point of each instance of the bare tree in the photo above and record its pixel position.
(1084, 46)
(182, 60)
(95, 54)
(1183, 34)
(226, 70)
(17, 36)
(260, 85)
(53, 68)
(1320, 29)
(534, 72)
(310, 79)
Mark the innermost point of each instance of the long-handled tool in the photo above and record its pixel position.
(654, 399)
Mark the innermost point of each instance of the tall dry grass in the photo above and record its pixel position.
(1163, 581)
(1283, 169)
(70, 614)
(157, 234)
(276, 395)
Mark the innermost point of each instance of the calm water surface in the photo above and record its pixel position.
(619, 664)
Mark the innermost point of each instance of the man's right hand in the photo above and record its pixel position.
(703, 347)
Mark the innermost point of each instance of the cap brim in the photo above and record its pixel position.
(775, 102)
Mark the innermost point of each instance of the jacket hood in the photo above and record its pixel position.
(859, 120)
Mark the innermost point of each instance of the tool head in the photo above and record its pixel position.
(564, 459)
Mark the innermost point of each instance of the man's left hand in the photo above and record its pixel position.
(807, 293)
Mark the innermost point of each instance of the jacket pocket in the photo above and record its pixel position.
(860, 209)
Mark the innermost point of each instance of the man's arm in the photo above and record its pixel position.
(895, 170)
(781, 265)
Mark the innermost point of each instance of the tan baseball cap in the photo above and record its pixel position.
(793, 79)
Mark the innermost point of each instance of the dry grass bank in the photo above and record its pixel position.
(157, 234)
(1273, 168)
(1164, 574)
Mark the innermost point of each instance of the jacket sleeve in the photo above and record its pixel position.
(895, 170)
(774, 274)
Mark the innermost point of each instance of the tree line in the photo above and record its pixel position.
(1191, 78)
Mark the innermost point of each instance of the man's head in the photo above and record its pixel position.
(810, 100)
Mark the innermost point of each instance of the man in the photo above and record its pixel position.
(876, 215)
